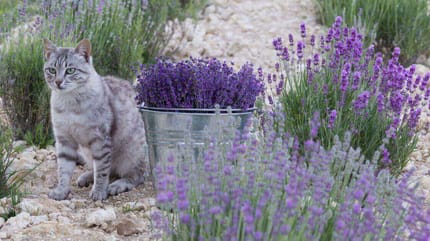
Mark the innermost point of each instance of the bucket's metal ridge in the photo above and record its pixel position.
(168, 130)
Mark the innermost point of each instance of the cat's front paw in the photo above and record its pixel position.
(85, 179)
(59, 193)
(98, 194)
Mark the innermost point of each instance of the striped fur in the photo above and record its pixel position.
(96, 115)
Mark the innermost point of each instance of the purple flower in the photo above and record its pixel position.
(396, 53)
(183, 204)
(345, 77)
(380, 99)
(100, 7)
(332, 119)
(185, 218)
(316, 59)
(315, 125)
(198, 83)
(386, 157)
(338, 22)
(165, 197)
(361, 101)
(270, 99)
(300, 49)
(215, 210)
(277, 44)
(309, 66)
(280, 87)
(356, 80)
(414, 118)
(425, 81)
(291, 39)
(303, 30)
(312, 40)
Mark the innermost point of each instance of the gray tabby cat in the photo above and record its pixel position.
(97, 114)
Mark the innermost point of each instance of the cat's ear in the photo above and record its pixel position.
(84, 49)
(49, 48)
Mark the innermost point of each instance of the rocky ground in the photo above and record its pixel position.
(123, 217)
(236, 30)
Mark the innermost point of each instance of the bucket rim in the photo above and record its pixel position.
(196, 110)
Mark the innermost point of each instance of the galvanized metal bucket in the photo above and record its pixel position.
(168, 130)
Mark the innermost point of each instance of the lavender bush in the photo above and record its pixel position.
(352, 89)
(264, 189)
(198, 83)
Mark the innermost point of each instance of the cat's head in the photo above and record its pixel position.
(66, 69)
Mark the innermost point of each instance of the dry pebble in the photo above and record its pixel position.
(4, 235)
(128, 226)
(100, 217)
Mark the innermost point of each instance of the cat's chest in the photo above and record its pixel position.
(70, 119)
(81, 124)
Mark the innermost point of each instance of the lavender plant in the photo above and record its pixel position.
(198, 83)
(352, 89)
(264, 189)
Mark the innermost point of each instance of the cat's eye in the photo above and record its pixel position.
(70, 70)
(51, 70)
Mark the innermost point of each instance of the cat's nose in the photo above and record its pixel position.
(58, 83)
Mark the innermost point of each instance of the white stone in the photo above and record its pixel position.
(20, 221)
(2, 221)
(30, 206)
(410, 166)
(4, 235)
(19, 143)
(54, 216)
(211, 9)
(416, 156)
(79, 203)
(421, 59)
(41, 206)
(63, 219)
(421, 69)
(25, 161)
(134, 206)
(5, 201)
(100, 217)
(427, 62)
(51, 150)
(425, 182)
(3, 209)
(149, 202)
(41, 155)
(99, 204)
(39, 219)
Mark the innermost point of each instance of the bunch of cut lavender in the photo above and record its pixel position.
(267, 190)
(198, 83)
(352, 89)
